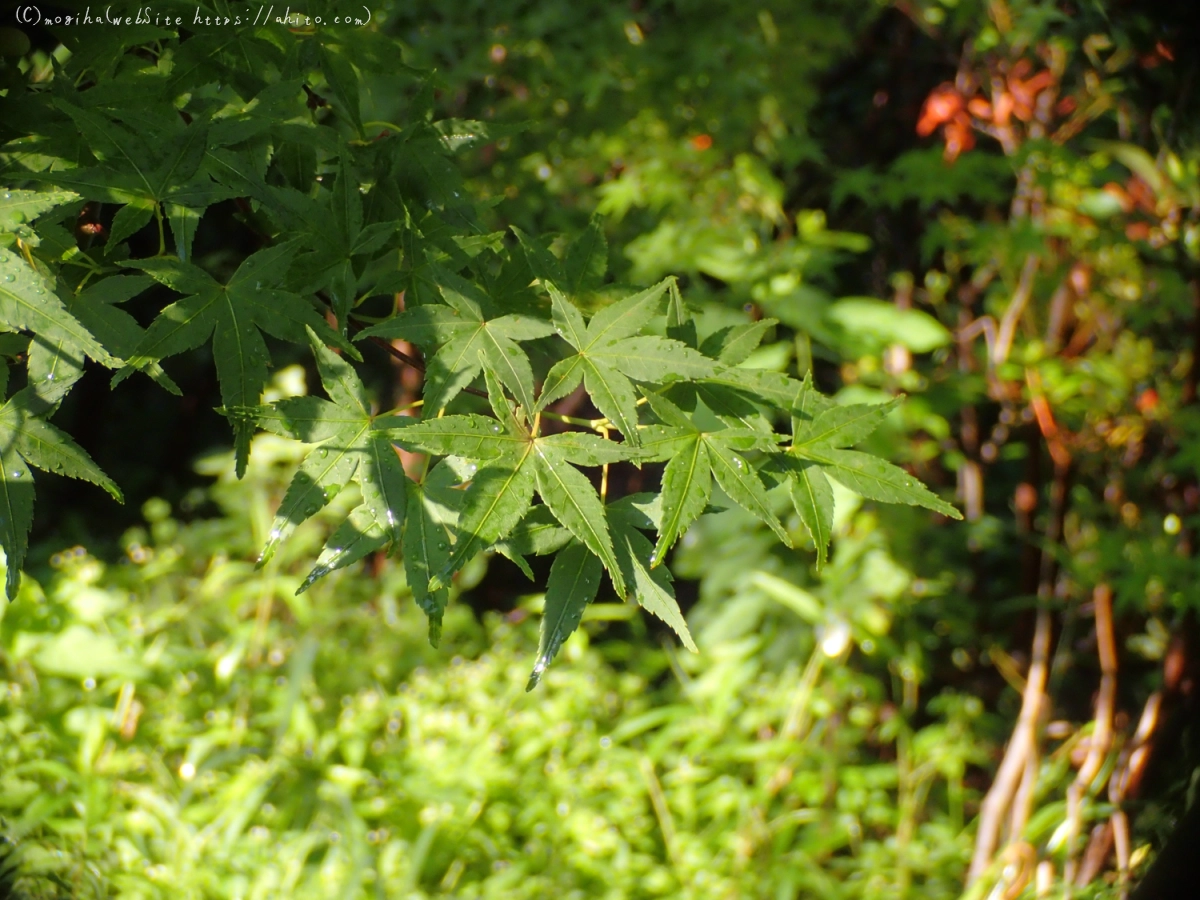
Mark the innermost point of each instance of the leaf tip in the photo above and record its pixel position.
(535, 677)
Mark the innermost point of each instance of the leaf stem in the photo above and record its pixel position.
(28, 256)
(604, 472)
(570, 420)
(399, 409)
(162, 238)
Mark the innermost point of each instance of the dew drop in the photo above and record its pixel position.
(653, 558)
(16, 474)
(442, 545)
(274, 535)
(495, 429)
(391, 519)
(10, 277)
(323, 454)
(258, 285)
(7, 195)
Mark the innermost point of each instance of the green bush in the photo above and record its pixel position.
(180, 724)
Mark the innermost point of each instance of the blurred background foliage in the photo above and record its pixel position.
(991, 207)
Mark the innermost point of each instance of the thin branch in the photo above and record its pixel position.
(1016, 307)
(1023, 745)
(1102, 732)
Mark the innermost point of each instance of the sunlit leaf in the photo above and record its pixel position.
(573, 583)
(876, 479)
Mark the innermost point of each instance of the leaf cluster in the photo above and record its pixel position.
(369, 239)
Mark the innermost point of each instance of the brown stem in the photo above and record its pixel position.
(1102, 732)
(1016, 308)
(1005, 792)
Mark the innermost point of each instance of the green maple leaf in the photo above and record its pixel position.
(429, 531)
(573, 584)
(537, 534)
(696, 457)
(55, 365)
(464, 340)
(611, 355)
(28, 303)
(734, 344)
(511, 464)
(586, 262)
(583, 267)
(627, 519)
(18, 208)
(233, 314)
(338, 235)
(147, 176)
(758, 386)
(820, 432)
(575, 575)
(28, 440)
(352, 444)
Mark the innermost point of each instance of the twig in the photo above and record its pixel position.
(1016, 307)
(1022, 746)
(1102, 733)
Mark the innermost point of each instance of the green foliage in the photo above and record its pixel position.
(182, 723)
(372, 238)
(1023, 273)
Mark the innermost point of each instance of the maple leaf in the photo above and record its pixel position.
(26, 440)
(695, 457)
(821, 430)
(28, 299)
(611, 355)
(338, 235)
(511, 464)
(148, 176)
(464, 340)
(233, 314)
(352, 444)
